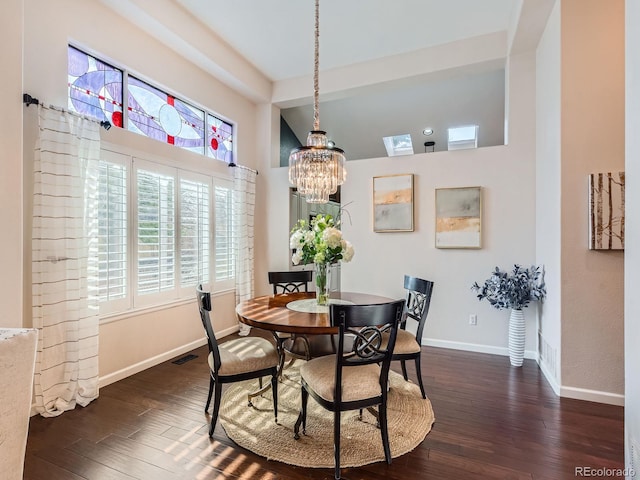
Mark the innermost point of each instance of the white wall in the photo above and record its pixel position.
(592, 99)
(11, 308)
(581, 327)
(128, 343)
(632, 240)
(507, 175)
(548, 220)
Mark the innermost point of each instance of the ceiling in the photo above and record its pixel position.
(386, 68)
(351, 31)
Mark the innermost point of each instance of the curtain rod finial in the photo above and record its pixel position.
(29, 100)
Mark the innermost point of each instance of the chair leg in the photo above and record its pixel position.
(336, 442)
(307, 348)
(279, 348)
(419, 373)
(305, 400)
(302, 416)
(274, 391)
(404, 370)
(206, 407)
(280, 360)
(382, 412)
(216, 407)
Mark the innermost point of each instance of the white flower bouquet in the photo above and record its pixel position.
(319, 242)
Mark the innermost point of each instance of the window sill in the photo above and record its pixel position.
(135, 312)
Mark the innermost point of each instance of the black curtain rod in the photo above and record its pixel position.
(242, 166)
(29, 100)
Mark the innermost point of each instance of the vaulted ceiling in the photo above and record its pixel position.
(385, 67)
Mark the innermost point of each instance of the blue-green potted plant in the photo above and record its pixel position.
(514, 291)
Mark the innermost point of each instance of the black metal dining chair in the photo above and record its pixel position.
(409, 345)
(356, 377)
(244, 358)
(298, 346)
(290, 281)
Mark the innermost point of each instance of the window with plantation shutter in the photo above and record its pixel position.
(156, 208)
(162, 231)
(112, 231)
(165, 223)
(194, 232)
(224, 242)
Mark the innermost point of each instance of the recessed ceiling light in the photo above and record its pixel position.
(428, 131)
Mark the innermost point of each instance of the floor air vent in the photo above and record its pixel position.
(184, 359)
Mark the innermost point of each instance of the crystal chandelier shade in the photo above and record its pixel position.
(317, 169)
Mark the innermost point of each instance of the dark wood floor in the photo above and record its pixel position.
(492, 422)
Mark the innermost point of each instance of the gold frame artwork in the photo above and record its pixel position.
(393, 203)
(458, 217)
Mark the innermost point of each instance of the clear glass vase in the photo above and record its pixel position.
(323, 283)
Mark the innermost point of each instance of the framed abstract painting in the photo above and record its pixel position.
(393, 203)
(459, 217)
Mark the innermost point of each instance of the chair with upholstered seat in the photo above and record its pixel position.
(291, 281)
(356, 377)
(236, 360)
(298, 346)
(409, 345)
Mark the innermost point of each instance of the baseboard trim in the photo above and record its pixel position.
(592, 395)
(163, 357)
(475, 347)
(560, 390)
(149, 362)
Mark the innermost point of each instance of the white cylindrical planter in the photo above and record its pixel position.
(516, 337)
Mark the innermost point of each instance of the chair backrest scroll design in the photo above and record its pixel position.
(290, 281)
(366, 325)
(418, 301)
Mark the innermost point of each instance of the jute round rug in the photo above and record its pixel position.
(410, 418)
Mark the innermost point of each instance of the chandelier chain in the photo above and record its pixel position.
(317, 169)
(316, 63)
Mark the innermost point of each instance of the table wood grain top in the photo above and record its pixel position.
(270, 312)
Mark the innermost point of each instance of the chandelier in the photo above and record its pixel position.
(317, 168)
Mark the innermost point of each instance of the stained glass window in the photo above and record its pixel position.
(219, 139)
(158, 115)
(95, 87)
(96, 90)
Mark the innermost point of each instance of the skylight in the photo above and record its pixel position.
(463, 137)
(398, 145)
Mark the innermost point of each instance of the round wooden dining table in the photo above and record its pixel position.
(271, 312)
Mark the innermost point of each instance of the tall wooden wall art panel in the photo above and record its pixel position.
(606, 211)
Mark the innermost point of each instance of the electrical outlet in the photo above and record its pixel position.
(473, 319)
